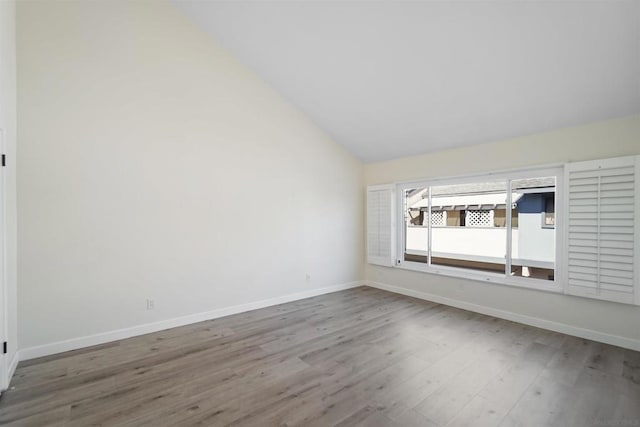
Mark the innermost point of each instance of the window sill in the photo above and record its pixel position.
(485, 277)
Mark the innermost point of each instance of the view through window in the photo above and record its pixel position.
(470, 225)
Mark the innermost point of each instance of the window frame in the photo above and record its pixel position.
(556, 170)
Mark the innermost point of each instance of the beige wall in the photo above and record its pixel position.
(599, 140)
(154, 165)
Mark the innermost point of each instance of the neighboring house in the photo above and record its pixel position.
(469, 226)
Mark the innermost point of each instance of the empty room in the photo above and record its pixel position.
(320, 213)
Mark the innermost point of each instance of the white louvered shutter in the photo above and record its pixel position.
(380, 225)
(603, 229)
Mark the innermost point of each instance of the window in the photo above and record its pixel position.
(488, 227)
(533, 244)
(474, 243)
(573, 229)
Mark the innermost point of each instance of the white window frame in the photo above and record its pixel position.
(555, 285)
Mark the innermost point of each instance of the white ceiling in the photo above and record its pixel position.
(389, 79)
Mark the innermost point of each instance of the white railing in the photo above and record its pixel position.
(483, 244)
(476, 242)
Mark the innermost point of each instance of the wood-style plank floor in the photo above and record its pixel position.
(362, 357)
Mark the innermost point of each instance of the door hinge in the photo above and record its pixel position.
(4, 347)
(4, 160)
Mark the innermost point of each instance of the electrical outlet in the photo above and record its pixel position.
(308, 277)
(151, 304)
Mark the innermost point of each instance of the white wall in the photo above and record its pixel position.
(535, 242)
(8, 123)
(599, 140)
(154, 165)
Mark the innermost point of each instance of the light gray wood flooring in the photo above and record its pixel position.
(362, 357)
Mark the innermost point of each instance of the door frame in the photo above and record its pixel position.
(4, 320)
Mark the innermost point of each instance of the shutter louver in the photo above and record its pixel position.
(380, 225)
(602, 242)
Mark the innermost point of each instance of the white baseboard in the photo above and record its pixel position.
(11, 369)
(514, 317)
(87, 341)
(13, 365)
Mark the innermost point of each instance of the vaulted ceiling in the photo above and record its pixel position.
(388, 79)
